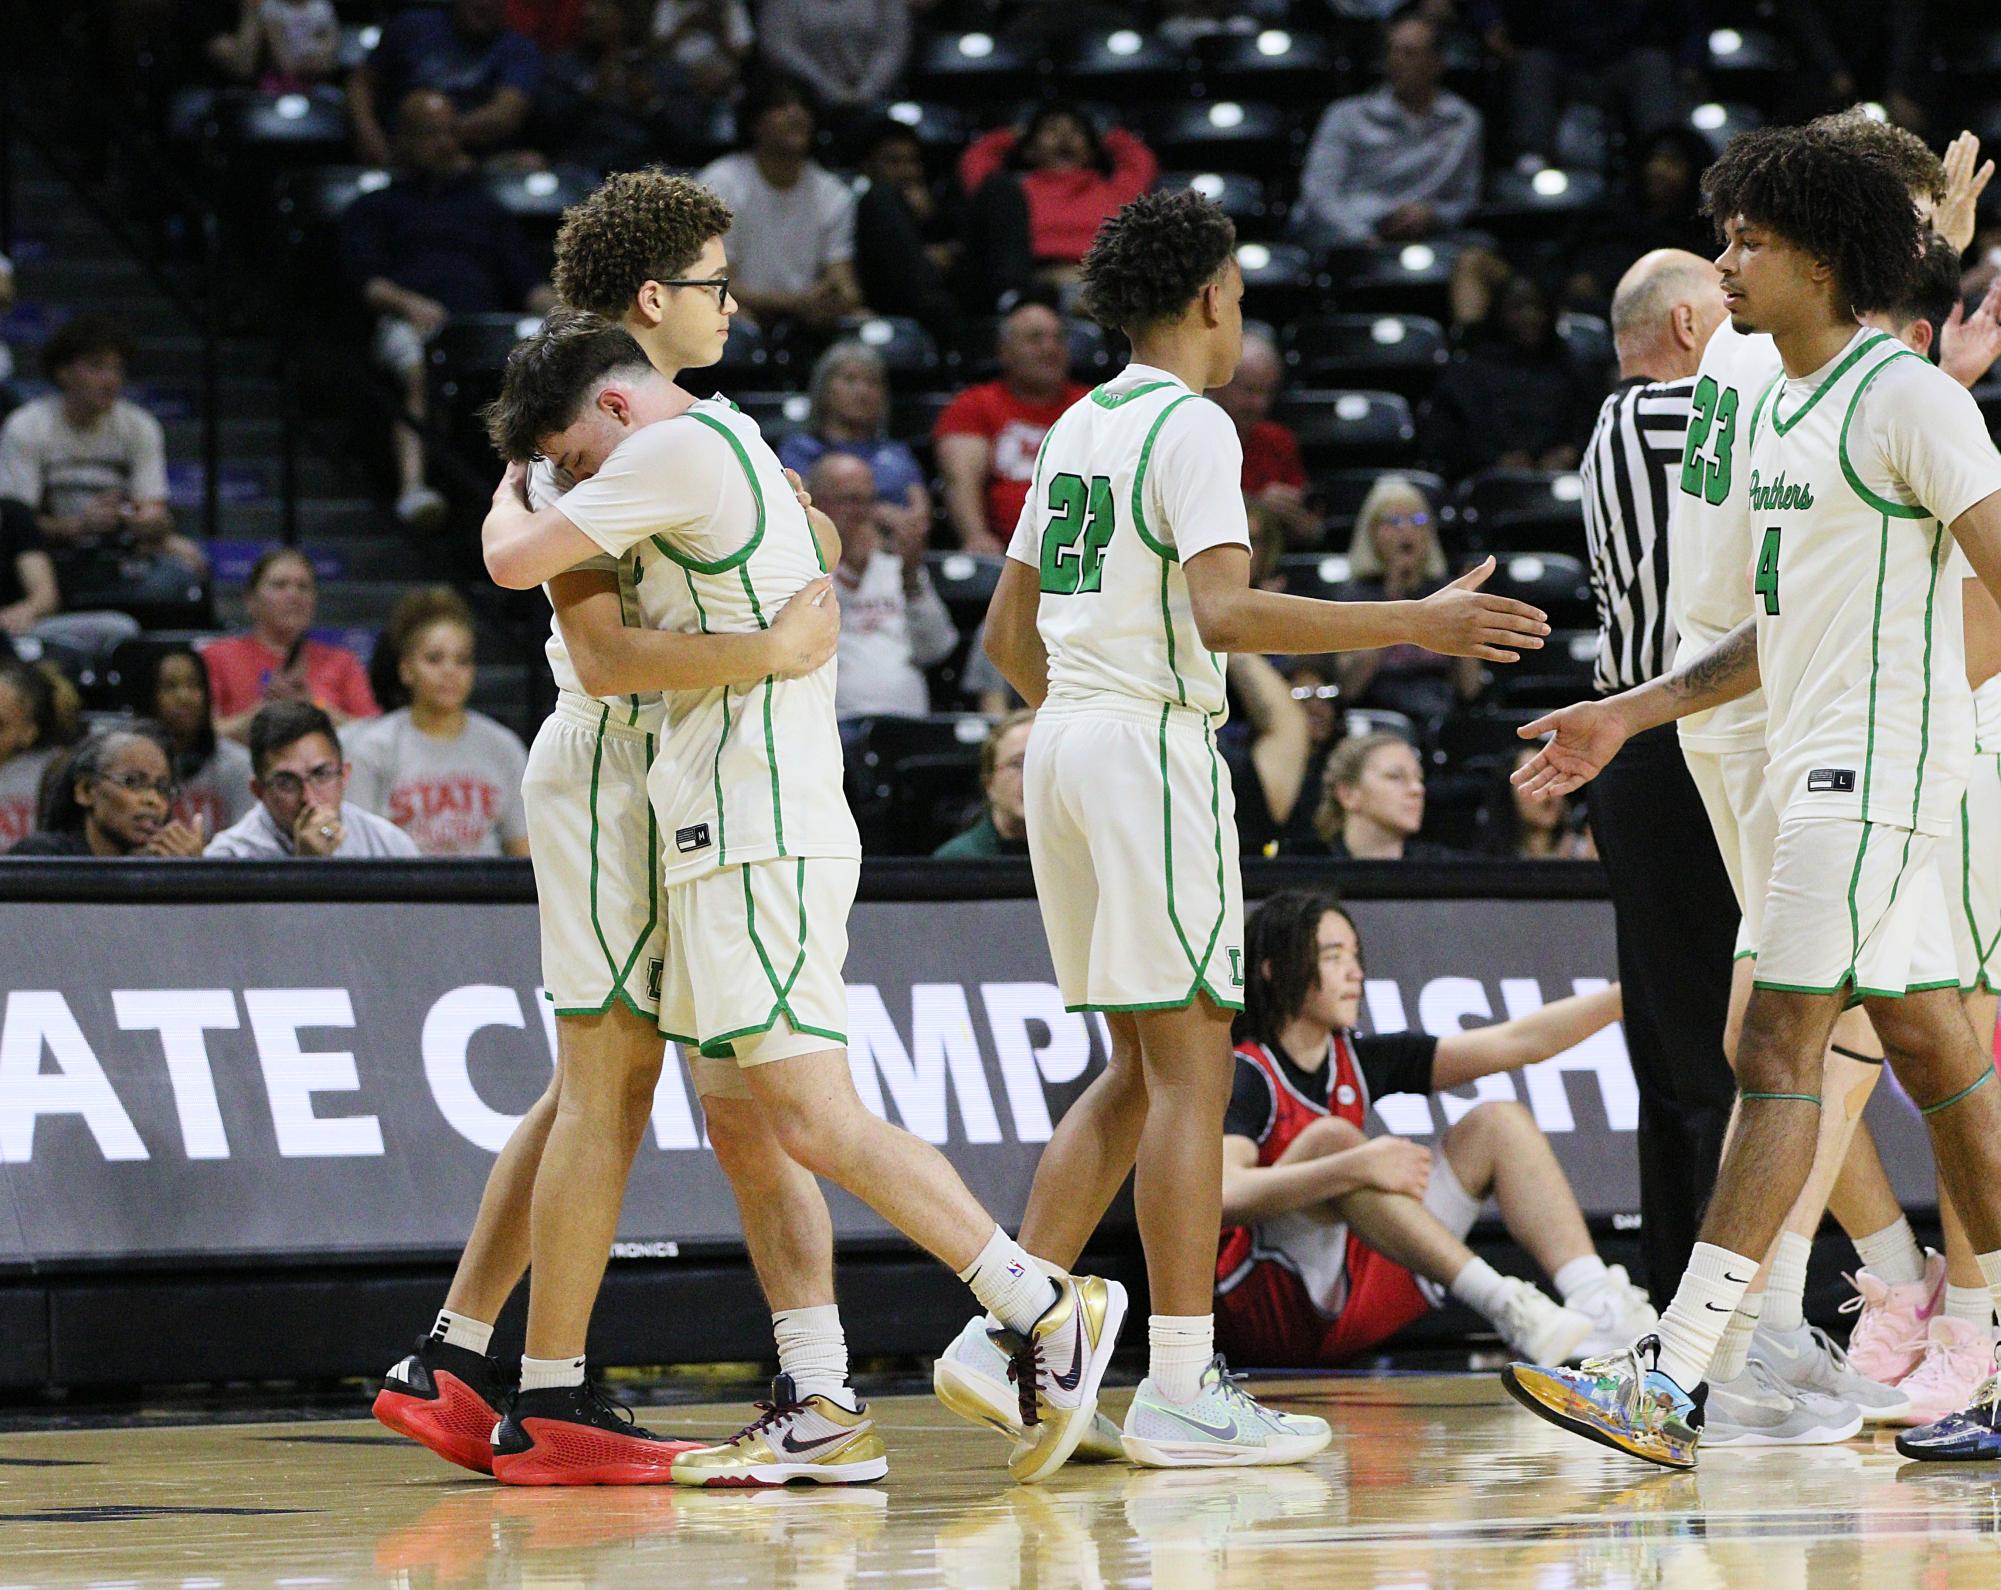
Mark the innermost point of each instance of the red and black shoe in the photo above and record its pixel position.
(446, 1398)
(577, 1435)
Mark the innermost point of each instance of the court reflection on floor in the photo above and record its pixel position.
(1432, 1482)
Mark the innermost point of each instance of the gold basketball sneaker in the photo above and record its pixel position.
(1057, 1369)
(815, 1439)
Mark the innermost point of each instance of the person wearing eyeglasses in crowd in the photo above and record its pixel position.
(300, 782)
(113, 796)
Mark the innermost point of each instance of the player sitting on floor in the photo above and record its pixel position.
(1333, 1241)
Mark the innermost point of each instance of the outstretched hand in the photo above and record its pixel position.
(1965, 180)
(1582, 739)
(1969, 344)
(1460, 620)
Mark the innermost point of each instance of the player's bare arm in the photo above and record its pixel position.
(1254, 1192)
(525, 548)
(1978, 532)
(1584, 737)
(1459, 620)
(613, 659)
(1013, 643)
(1477, 1052)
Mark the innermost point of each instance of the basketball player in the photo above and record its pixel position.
(1863, 465)
(1127, 577)
(761, 857)
(596, 856)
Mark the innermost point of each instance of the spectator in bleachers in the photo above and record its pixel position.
(792, 244)
(280, 45)
(1660, 207)
(707, 39)
(30, 738)
(851, 51)
(1372, 803)
(1618, 54)
(431, 244)
(1398, 163)
(907, 247)
(850, 414)
(1395, 555)
(1524, 827)
(987, 439)
(609, 101)
(448, 777)
(277, 659)
(466, 52)
(1267, 744)
(114, 796)
(1274, 476)
(893, 622)
(1515, 400)
(89, 461)
(213, 774)
(300, 782)
(31, 598)
(1038, 194)
(1317, 689)
(1002, 829)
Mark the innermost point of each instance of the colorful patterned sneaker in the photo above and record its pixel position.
(1958, 1356)
(971, 1379)
(1619, 1311)
(1538, 1327)
(577, 1435)
(1758, 1409)
(1057, 1369)
(446, 1398)
(1224, 1427)
(815, 1439)
(1972, 1435)
(1621, 1400)
(1806, 1358)
(1888, 1337)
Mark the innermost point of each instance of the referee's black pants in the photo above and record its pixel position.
(1677, 926)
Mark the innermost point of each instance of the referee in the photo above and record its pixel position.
(1676, 914)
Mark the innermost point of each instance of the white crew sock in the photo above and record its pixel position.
(1970, 1303)
(461, 1330)
(813, 1350)
(1579, 1275)
(1892, 1254)
(1711, 1288)
(538, 1373)
(1990, 1267)
(1179, 1347)
(1785, 1282)
(1481, 1288)
(1009, 1284)
(1733, 1352)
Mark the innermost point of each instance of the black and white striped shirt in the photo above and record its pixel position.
(1629, 476)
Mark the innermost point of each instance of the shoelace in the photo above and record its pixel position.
(1024, 1368)
(1230, 1387)
(1876, 1323)
(1836, 1356)
(769, 1415)
(599, 1400)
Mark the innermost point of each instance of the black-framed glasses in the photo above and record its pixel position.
(290, 786)
(139, 784)
(720, 285)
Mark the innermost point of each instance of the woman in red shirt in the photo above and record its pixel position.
(277, 660)
(1041, 193)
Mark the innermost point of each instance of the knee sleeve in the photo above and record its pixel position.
(1450, 1204)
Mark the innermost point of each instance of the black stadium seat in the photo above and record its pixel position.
(1238, 135)
(1720, 121)
(1245, 200)
(965, 582)
(1556, 582)
(904, 346)
(1317, 574)
(1127, 64)
(936, 124)
(1748, 64)
(913, 781)
(1519, 510)
(1273, 63)
(303, 124)
(1280, 280)
(1341, 493)
(539, 195)
(1412, 278)
(1517, 198)
(968, 67)
(1349, 427)
(1393, 353)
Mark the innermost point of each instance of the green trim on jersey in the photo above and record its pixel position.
(1982, 953)
(1106, 399)
(1168, 555)
(618, 973)
(1781, 424)
(781, 993)
(1895, 510)
(742, 553)
(1197, 964)
(1758, 409)
(1925, 712)
(1875, 664)
(1854, 915)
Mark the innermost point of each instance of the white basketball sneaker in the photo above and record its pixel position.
(1224, 1427)
(971, 1378)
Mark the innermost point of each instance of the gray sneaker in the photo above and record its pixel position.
(1758, 1409)
(1807, 1360)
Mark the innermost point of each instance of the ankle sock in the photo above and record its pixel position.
(462, 1330)
(1579, 1275)
(1481, 1288)
(1733, 1351)
(539, 1374)
(1892, 1254)
(1711, 1288)
(1969, 1303)
(813, 1350)
(1179, 1347)
(1009, 1284)
(1785, 1282)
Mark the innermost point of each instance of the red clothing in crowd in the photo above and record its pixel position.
(1066, 208)
(1271, 458)
(240, 669)
(1013, 428)
(552, 24)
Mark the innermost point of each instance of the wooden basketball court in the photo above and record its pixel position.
(1433, 1480)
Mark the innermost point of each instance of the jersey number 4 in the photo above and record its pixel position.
(1708, 477)
(1766, 582)
(1077, 508)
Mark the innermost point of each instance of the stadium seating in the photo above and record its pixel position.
(1349, 427)
(1393, 353)
(1519, 510)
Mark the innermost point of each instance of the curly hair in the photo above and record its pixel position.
(1282, 960)
(1845, 205)
(548, 374)
(1921, 170)
(637, 227)
(1151, 258)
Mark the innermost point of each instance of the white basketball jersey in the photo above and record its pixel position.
(744, 772)
(1709, 527)
(545, 486)
(1987, 717)
(1133, 480)
(1854, 473)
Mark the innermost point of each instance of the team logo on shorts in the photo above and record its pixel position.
(654, 968)
(1236, 967)
(692, 838)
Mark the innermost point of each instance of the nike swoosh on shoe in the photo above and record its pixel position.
(791, 1445)
(1222, 1432)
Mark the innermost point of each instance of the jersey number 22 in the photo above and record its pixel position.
(1077, 509)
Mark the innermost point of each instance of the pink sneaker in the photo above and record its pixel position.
(1958, 1356)
(1889, 1334)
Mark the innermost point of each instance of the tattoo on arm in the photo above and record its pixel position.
(1729, 669)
